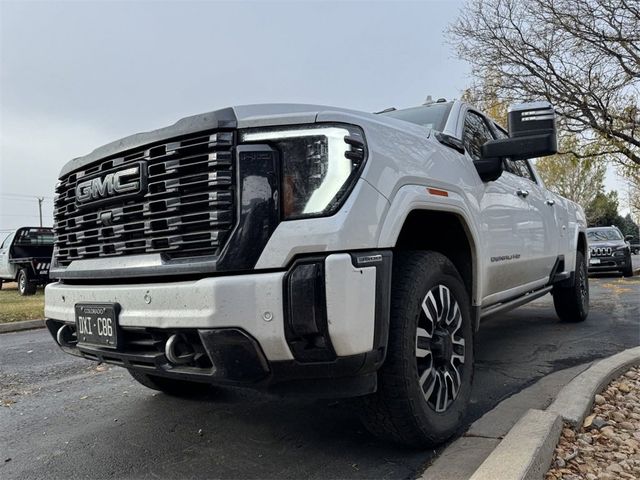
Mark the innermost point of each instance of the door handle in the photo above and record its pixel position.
(523, 193)
(550, 202)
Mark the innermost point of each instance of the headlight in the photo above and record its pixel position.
(620, 251)
(320, 164)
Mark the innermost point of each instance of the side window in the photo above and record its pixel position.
(476, 134)
(517, 167)
(7, 241)
(523, 169)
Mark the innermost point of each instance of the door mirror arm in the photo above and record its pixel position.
(450, 141)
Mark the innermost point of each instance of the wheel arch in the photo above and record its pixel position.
(434, 209)
(453, 240)
(581, 245)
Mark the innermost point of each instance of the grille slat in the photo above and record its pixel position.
(187, 208)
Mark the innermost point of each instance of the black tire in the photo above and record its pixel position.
(628, 268)
(171, 386)
(572, 302)
(25, 286)
(0, 284)
(400, 411)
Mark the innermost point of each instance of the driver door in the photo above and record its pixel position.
(505, 224)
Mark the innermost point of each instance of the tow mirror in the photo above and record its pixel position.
(489, 168)
(532, 133)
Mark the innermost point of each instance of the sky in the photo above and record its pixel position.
(77, 75)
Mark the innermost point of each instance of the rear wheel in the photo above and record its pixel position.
(25, 286)
(572, 302)
(171, 386)
(425, 382)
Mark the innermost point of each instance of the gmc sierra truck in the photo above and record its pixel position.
(314, 250)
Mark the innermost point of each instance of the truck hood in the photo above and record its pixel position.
(243, 116)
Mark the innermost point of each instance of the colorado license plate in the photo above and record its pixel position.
(97, 324)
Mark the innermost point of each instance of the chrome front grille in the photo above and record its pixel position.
(601, 251)
(186, 210)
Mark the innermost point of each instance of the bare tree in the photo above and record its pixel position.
(581, 55)
(578, 179)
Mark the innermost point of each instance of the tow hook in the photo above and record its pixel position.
(178, 351)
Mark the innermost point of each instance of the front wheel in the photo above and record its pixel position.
(25, 286)
(628, 268)
(424, 384)
(572, 302)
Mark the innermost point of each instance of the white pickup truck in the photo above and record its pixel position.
(314, 250)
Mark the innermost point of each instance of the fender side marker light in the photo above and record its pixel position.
(438, 192)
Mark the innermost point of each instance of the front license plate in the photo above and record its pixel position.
(97, 324)
(595, 261)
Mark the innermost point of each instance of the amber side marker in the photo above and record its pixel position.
(436, 191)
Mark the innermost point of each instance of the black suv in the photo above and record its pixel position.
(609, 251)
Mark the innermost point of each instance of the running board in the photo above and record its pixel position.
(516, 302)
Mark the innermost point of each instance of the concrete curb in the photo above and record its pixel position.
(525, 453)
(19, 326)
(574, 401)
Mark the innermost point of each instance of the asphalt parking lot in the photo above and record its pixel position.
(63, 417)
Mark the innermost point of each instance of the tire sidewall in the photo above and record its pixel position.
(22, 282)
(442, 424)
(581, 269)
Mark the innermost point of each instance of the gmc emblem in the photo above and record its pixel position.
(117, 183)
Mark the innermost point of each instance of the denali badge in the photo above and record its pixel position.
(121, 182)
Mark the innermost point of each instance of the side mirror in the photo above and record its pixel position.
(628, 238)
(532, 133)
(489, 168)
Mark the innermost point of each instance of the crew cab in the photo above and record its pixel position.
(25, 256)
(314, 250)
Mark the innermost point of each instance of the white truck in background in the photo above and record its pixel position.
(25, 256)
(314, 250)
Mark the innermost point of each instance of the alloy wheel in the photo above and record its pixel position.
(440, 348)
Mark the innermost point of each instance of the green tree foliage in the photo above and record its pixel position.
(603, 210)
(628, 227)
(578, 179)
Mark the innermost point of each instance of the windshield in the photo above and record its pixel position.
(34, 236)
(432, 116)
(603, 234)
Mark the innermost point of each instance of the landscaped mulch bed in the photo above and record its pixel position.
(607, 447)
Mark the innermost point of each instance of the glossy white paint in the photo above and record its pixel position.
(355, 226)
(234, 301)
(405, 158)
(351, 305)
(523, 236)
(239, 301)
(8, 271)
